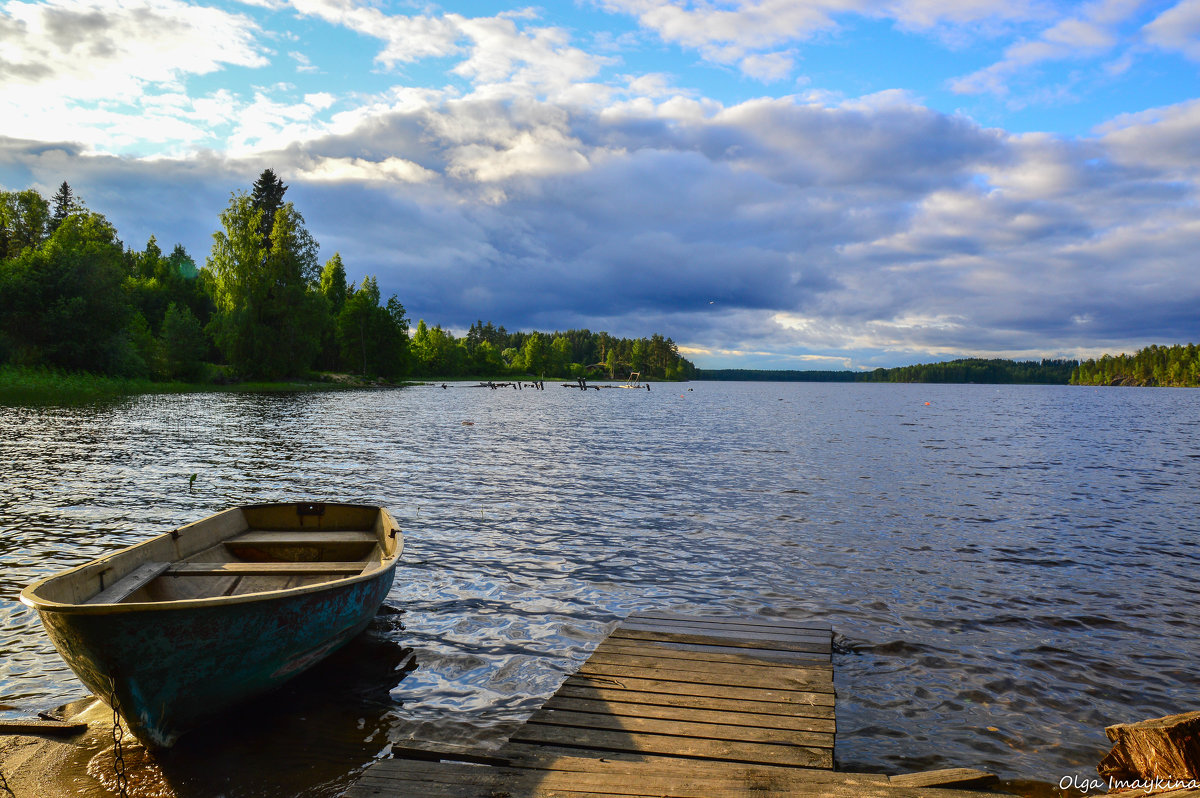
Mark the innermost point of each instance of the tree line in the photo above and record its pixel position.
(966, 370)
(1162, 366)
(487, 350)
(995, 371)
(73, 298)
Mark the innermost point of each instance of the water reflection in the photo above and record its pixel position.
(1008, 569)
(309, 738)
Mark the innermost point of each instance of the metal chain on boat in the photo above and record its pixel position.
(118, 732)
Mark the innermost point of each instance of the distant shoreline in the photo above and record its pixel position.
(967, 370)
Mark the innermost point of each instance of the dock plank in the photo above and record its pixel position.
(800, 658)
(696, 673)
(729, 620)
(715, 704)
(756, 633)
(679, 728)
(629, 709)
(740, 658)
(668, 705)
(816, 647)
(703, 690)
(672, 745)
(625, 780)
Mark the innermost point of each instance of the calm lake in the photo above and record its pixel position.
(1007, 568)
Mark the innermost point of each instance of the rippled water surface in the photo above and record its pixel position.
(1007, 569)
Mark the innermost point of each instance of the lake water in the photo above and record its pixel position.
(1007, 568)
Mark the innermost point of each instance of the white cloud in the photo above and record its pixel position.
(111, 73)
(407, 38)
(1158, 138)
(537, 57)
(1177, 29)
(266, 123)
(343, 170)
(1092, 32)
(728, 32)
(502, 49)
(758, 35)
(303, 64)
(90, 50)
(768, 67)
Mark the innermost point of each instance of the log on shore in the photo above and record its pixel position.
(1162, 748)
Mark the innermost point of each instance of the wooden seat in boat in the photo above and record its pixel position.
(267, 568)
(130, 583)
(300, 538)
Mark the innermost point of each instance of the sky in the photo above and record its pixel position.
(780, 184)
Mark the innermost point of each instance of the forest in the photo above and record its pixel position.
(262, 307)
(996, 371)
(1155, 366)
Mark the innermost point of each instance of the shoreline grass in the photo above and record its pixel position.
(25, 385)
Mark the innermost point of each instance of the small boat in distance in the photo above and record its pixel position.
(179, 628)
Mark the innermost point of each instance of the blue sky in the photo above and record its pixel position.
(771, 183)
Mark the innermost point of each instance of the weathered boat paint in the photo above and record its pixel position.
(173, 665)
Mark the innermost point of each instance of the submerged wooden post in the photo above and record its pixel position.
(1162, 748)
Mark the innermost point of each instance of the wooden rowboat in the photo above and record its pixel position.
(183, 626)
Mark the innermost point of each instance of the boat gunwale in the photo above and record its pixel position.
(30, 598)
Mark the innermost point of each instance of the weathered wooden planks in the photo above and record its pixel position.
(266, 568)
(581, 777)
(619, 707)
(619, 694)
(669, 705)
(257, 537)
(696, 688)
(771, 643)
(1161, 748)
(132, 582)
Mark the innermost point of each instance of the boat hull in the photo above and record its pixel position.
(174, 668)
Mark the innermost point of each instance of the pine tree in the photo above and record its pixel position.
(64, 205)
(266, 196)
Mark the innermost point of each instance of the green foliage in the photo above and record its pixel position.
(183, 344)
(436, 353)
(559, 356)
(71, 298)
(373, 338)
(62, 303)
(41, 385)
(777, 375)
(65, 204)
(24, 221)
(1162, 366)
(269, 317)
(994, 371)
(486, 360)
(1050, 372)
(266, 196)
(491, 351)
(156, 281)
(333, 283)
(142, 358)
(533, 355)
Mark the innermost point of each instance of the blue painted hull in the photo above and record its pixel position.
(174, 668)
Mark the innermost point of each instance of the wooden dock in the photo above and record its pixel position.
(670, 706)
